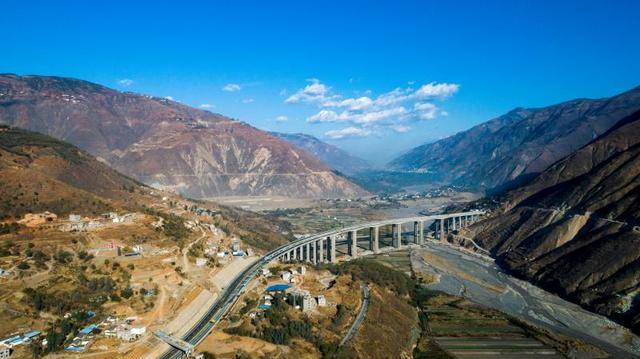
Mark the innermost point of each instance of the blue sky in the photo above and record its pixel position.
(380, 77)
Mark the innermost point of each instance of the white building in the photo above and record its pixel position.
(308, 303)
(201, 262)
(74, 218)
(322, 301)
(287, 276)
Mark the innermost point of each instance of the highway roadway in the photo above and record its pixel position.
(231, 293)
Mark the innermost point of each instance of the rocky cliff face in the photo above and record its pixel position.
(575, 228)
(336, 158)
(164, 143)
(518, 145)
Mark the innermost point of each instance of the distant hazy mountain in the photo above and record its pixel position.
(166, 144)
(575, 228)
(519, 144)
(333, 156)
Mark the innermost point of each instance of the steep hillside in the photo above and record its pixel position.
(338, 159)
(164, 143)
(575, 228)
(512, 148)
(39, 173)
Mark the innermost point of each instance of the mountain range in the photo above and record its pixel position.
(166, 144)
(574, 228)
(508, 150)
(337, 158)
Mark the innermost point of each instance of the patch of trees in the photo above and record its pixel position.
(173, 225)
(12, 227)
(278, 327)
(63, 257)
(371, 271)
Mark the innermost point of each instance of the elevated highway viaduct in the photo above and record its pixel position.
(329, 247)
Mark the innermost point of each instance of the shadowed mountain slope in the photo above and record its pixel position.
(575, 228)
(514, 147)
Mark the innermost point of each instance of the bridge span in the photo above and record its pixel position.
(370, 238)
(325, 248)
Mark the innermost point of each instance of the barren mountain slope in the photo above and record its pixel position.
(164, 143)
(39, 173)
(574, 228)
(520, 144)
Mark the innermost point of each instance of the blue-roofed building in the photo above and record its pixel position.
(20, 339)
(278, 287)
(88, 329)
(32, 334)
(264, 306)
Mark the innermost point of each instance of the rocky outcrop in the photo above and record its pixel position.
(513, 148)
(574, 228)
(166, 144)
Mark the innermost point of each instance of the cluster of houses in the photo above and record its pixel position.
(294, 276)
(7, 344)
(111, 327)
(298, 298)
(77, 223)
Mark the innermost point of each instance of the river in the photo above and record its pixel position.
(482, 281)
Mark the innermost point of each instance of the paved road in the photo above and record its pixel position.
(361, 315)
(231, 293)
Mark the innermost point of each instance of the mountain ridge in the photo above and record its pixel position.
(335, 157)
(161, 142)
(520, 143)
(574, 229)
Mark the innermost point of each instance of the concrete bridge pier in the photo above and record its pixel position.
(418, 232)
(442, 235)
(374, 239)
(332, 249)
(396, 231)
(353, 243)
(320, 244)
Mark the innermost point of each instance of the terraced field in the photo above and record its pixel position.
(466, 330)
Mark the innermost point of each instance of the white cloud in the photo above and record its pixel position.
(437, 90)
(392, 109)
(425, 110)
(125, 82)
(315, 93)
(247, 100)
(282, 118)
(323, 116)
(232, 87)
(359, 103)
(348, 132)
(367, 117)
(207, 106)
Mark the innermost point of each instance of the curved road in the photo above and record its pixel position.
(363, 312)
(230, 294)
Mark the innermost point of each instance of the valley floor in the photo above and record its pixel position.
(482, 282)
